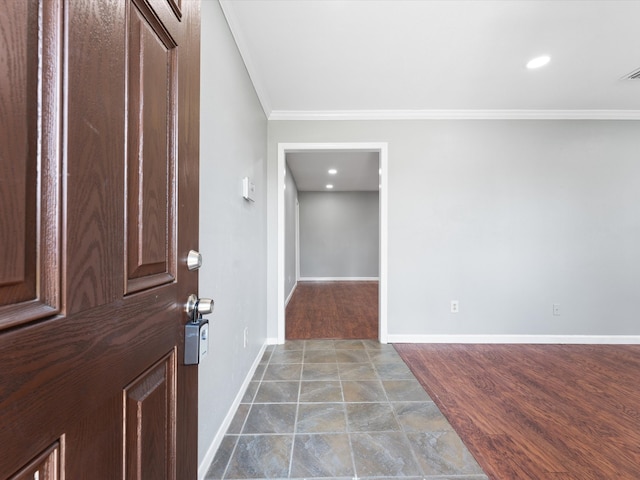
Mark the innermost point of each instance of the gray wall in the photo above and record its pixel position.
(507, 217)
(339, 234)
(290, 202)
(232, 231)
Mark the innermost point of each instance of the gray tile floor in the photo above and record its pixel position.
(340, 409)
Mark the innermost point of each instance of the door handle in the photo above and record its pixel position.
(196, 307)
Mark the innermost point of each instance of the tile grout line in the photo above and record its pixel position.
(295, 420)
(402, 430)
(346, 425)
(233, 451)
(348, 429)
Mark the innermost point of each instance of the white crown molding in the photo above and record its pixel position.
(454, 115)
(241, 43)
(502, 339)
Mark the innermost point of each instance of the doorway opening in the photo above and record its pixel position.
(380, 149)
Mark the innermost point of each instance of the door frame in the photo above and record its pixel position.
(297, 241)
(381, 148)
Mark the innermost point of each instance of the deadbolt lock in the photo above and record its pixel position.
(194, 260)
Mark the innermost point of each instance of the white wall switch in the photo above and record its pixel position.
(556, 309)
(248, 189)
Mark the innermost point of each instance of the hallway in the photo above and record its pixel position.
(339, 409)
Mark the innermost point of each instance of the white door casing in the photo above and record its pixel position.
(382, 149)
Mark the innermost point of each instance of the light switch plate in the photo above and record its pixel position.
(248, 189)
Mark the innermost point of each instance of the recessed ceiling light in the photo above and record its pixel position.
(332, 171)
(538, 62)
(329, 186)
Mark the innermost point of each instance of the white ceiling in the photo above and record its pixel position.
(357, 171)
(368, 59)
(440, 59)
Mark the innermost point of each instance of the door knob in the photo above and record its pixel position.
(196, 307)
(205, 306)
(194, 260)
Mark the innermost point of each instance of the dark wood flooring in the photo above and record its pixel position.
(569, 412)
(338, 310)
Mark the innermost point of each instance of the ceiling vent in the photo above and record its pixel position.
(635, 75)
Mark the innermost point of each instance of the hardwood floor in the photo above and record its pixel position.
(569, 412)
(338, 310)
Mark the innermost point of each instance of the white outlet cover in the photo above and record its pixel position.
(455, 308)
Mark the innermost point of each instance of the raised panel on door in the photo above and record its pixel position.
(29, 161)
(45, 466)
(149, 413)
(176, 6)
(150, 195)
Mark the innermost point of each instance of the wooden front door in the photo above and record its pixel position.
(99, 132)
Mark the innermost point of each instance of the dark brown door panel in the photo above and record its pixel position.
(98, 210)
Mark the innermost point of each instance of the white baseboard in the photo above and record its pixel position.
(217, 440)
(286, 302)
(272, 341)
(339, 279)
(538, 339)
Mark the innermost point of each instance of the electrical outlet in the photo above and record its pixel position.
(556, 309)
(245, 337)
(454, 306)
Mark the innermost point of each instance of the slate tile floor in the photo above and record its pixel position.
(341, 409)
